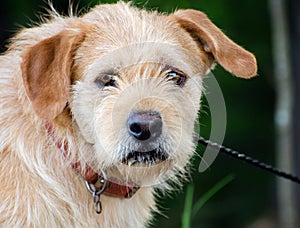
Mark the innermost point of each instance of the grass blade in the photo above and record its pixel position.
(208, 195)
(187, 212)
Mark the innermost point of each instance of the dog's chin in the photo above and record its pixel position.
(149, 158)
(144, 174)
(149, 168)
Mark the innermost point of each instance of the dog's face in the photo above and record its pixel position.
(132, 81)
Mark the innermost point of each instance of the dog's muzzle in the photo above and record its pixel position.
(145, 128)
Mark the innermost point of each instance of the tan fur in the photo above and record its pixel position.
(48, 74)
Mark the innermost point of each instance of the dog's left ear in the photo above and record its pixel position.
(228, 54)
(46, 72)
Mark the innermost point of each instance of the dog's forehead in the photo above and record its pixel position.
(123, 36)
(137, 56)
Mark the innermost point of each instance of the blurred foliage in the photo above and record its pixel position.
(249, 104)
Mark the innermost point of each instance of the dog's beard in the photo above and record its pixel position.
(145, 176)
(157, 164)
(143, 154)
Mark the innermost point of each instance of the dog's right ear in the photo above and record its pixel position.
(46, 72)
(228, 54)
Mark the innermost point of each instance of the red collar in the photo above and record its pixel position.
(90, 175)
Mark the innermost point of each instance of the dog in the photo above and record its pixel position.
(98, 111)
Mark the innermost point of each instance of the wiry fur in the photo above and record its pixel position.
(37, 185)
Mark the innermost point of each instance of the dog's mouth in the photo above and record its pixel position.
(137, 158)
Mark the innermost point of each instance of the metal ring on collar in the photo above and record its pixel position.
(103, 180)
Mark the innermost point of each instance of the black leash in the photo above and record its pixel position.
(249, 160)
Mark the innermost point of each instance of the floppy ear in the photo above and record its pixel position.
(46, 72)
(228, 54)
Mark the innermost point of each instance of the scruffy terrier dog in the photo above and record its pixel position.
(98, 111)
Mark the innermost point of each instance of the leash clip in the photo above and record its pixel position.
(97, 191)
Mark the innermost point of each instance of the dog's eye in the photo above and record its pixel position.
(177, 76)
(105, 80)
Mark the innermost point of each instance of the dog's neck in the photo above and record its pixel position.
(88, 174)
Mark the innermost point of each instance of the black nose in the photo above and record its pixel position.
(145, 125)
